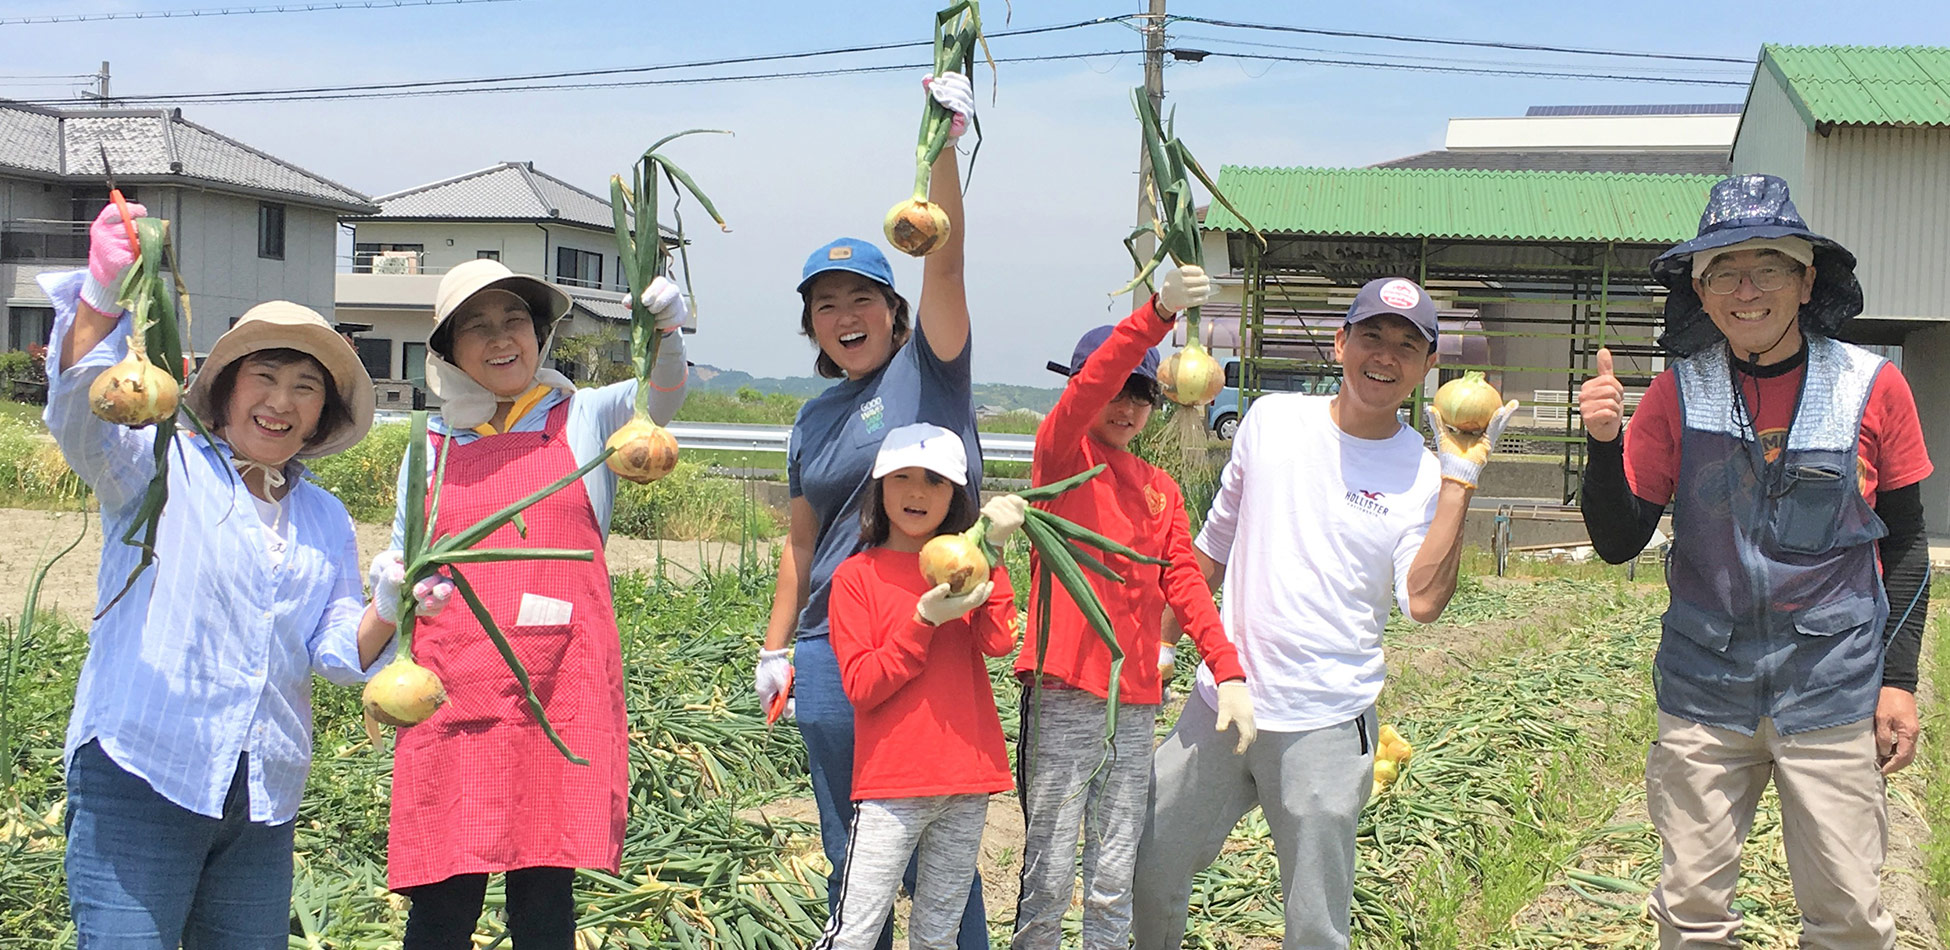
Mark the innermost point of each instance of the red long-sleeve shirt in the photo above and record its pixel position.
(924, 717)
(1132, 502)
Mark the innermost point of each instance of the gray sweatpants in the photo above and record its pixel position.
(1311, 786)
(943, 833)
(1056, 759)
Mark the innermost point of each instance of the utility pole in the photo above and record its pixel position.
(101, 87)
(1154, 88)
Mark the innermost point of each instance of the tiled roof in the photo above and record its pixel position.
(510, 191)
(1647, 162)
(1864, 85)
(154, 146)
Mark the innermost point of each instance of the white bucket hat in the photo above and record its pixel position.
(465, 403)
(923, 445)
(281, 324)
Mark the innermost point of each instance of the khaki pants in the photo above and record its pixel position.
(1702, 785)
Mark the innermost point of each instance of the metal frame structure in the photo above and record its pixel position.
(1604, 288)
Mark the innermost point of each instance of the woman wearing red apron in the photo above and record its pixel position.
(479, 789)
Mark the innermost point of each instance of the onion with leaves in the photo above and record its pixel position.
(917, 226)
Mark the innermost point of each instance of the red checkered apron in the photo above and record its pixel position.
(479, 787)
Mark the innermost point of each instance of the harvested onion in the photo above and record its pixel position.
(1191, 377)
(917, 226)
(404, 693)
(1468, 404)
(134, 392)
(955, 560)
(645, 451)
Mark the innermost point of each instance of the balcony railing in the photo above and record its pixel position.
(37, 239)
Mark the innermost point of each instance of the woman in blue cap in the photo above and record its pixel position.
(893, 370)
(1791, 463)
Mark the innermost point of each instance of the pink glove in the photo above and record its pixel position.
(110, 252)
(953, 92)
(388, 569)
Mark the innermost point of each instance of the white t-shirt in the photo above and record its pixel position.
(277, 528)
(1317, 529)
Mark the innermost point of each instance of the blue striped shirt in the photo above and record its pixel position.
(211, 653)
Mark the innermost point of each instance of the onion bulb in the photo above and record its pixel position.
(133, 392)
(1468, 404)
(955, 560)
(1191, 377)
(404, 693)
(917, 226)
(645, 451)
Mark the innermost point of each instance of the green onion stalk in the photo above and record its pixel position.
(1190, 377)
(643, 450)
(918, 226)
(406, 693)
(143, 389)
(1059, 544)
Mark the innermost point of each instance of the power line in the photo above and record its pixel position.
(1487, 44)
(302, 93)
(51, 76)
(234, 11)
(1197, 54)
(1712, 71)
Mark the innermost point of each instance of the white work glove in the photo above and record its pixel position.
(1185, 288)
(937, 606)
(1236, 711)
(1463, 454)
(774, 675)
(666, 303)
(1167, 663)
(1005, 514)
(387, 572)
(953, 92)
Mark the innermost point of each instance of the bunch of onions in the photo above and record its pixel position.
(135, 392)
(405, 693)
(1469, 403)
(643, 451)
(917, 226)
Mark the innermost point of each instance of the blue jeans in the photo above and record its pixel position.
(147, 874)
(825, 720)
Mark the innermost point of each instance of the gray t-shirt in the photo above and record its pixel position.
(838, 433)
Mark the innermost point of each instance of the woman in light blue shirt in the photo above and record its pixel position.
(191, 734)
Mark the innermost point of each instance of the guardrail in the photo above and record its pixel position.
(744, 437)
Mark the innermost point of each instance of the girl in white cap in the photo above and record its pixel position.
(928, 747)
(478, 788)
(191, 733)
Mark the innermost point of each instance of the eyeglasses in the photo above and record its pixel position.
(1766, 278)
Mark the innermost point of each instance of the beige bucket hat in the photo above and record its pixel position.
(281, 324)
(547, 302)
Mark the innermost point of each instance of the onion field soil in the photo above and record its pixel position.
(1518, 823)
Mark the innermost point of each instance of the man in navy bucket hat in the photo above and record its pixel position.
(1791, 462)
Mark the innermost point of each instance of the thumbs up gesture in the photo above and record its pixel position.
(1601, 401)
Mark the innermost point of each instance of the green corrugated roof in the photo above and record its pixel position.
(1463, 203)
(1865, 85)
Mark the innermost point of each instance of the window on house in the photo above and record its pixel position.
(487, 255)
(578, 268)
(413, 363)
(376, 354)
(270, 231)
(28, 326)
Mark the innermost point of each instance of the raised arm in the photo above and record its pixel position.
(944, 292)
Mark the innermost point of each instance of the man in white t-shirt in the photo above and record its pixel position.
(1329, 509)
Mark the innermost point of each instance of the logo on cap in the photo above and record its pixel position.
(839, 254)
(1400, 293)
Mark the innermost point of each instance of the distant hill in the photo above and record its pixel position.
(707, 378)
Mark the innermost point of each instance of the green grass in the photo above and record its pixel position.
(1933, 754)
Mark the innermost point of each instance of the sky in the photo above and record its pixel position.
(1052, 192)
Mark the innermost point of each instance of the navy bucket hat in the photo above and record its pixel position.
(1088, 344)
(1741, 208)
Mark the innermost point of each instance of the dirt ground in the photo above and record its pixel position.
(28, 538)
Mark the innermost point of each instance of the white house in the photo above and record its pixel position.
(246, 227)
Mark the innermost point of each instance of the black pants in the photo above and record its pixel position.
(541, 911)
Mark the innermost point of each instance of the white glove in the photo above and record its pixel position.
(1005, 514)
(953, 92)
(387, 572)
(1167, 663)
(1236, 711)
(1185, 288)
(666, 303)
(1464, 454)
(774, 675)
(937, 606)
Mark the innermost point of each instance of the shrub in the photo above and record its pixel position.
(366, 476)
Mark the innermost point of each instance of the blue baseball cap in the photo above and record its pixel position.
(1399, 296)
(1094, 338)
(850, 254)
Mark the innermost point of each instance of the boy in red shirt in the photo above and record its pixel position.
(1113, 388)
(928, 748)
